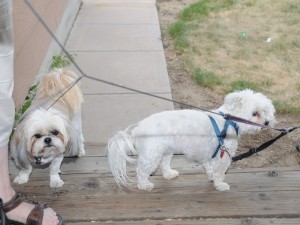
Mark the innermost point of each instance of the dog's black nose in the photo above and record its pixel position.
(267, 123)
(38, 159)
(47, 140)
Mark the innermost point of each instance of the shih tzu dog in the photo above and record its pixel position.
(51, 128)
(202, 136)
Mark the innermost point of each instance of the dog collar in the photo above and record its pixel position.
(221, 135)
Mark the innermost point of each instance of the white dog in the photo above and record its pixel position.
(49, 131)
(190, 132)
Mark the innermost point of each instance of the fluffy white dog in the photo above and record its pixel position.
(49, 131)
(190, 132)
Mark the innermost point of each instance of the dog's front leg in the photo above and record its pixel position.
(220, 185)
(55, 180)
(216, 170)
(23, 175)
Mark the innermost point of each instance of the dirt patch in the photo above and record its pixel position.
(186, 90)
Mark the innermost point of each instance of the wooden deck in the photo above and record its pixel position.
(90, 195)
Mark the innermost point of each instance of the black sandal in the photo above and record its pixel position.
(35, 217)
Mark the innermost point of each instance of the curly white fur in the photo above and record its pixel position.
(189, 132)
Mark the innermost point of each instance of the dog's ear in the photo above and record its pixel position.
(18, 147)
(233, 102)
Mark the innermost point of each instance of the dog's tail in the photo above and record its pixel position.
(57, 83)
(119, 148)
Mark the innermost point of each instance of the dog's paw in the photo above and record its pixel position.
(146, 187)
(81, 152)
(171, 174)
(21, 179)
(222, 186)
(55, 181)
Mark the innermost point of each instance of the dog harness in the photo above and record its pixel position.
(221, 135)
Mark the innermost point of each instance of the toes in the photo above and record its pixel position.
(146, 187)
(81, 153)
(171, 174)
(21, 179)
(56, 184)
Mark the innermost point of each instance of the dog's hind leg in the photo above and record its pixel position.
(77, 123)
(165, 165)
(143, 180)
(143, 173)
(147, 164)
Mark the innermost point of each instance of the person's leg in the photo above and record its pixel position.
(21, 212)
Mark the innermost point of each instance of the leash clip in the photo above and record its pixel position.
(223, 150)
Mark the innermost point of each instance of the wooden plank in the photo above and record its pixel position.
(96, 161)
(244, 221)
(91, 194)
(95, 149)
(94, 197)
(96, 164)
(251, 182)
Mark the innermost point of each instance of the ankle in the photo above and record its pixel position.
(7, 195)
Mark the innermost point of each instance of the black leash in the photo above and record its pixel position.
(263, 146)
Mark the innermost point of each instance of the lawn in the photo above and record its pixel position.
(229, 45)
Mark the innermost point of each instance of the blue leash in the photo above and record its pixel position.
(221, 135)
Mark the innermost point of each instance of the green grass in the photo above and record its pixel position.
(242, 84)
(177, 32)
(298, 86)
(203, 8)
(284, 107)
(199, 9)
(206, 78)
(27, 102)
(225, 45)
(60, 61)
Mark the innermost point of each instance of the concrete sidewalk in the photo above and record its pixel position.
(119, 41)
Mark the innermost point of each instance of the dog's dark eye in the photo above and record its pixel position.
(54, 132)
(255, 114)
(37, 136)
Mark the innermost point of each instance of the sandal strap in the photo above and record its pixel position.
(36, 215)
(2, 214)
(13, 203)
